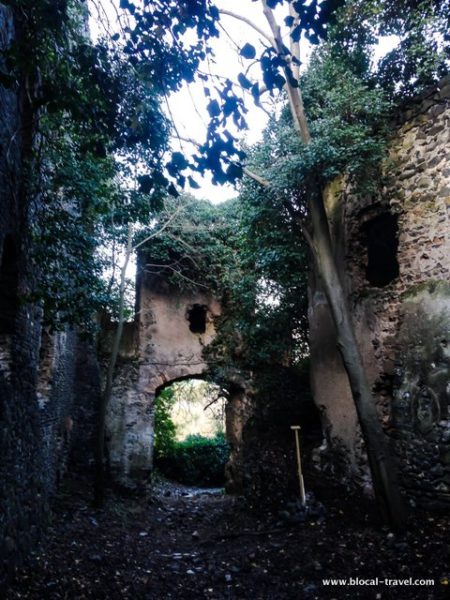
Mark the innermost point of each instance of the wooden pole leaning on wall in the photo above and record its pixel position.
(296, 429)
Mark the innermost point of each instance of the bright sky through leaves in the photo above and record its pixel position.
(187, 108)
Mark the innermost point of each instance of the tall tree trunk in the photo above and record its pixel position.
(382, 465)
(100, 483)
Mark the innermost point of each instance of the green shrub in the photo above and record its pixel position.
(197, 460)
(165, 428)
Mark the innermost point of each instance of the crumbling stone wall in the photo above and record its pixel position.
(22, 498)
(86, 401)
(164, 344)
(37, 369)
(54, 395)
(394, 256)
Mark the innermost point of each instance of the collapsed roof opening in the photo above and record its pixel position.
(9, 280)
(197, 318)
(381, 238)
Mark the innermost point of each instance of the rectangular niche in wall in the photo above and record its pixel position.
(381, 240)
(196, 316)
(9, 273)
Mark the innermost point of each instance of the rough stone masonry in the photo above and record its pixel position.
(394, 257)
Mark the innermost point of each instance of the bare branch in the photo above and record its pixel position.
(256, 177)
(239, 17)
(213, 401)
(294, 94)
(183, 243)
(188, 140)
(161, 229)
(171, 115)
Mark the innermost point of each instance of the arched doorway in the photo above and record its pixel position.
(190, 432)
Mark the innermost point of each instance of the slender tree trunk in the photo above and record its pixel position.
(382, 465)
(99, 485)
(99, 481)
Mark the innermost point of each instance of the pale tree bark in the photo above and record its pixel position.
(381, 461)
(99, 487)
(105, 399)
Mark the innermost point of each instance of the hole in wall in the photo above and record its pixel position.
(197, 318)
(9, 278)
(381, 239)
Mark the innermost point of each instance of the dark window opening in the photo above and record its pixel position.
(9, 279)
(197, 318)
(381, 237)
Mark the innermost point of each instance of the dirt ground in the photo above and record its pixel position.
(188, 543)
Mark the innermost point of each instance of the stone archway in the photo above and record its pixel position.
(165, 343)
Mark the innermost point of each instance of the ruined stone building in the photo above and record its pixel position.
(394, 252)
(163, 345)
(394, 256)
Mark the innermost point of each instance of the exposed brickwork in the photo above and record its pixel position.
(416, 195)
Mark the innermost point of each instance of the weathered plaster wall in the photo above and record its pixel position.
(158, 348)
(412, 400)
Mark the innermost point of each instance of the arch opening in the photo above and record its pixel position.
(190, 439)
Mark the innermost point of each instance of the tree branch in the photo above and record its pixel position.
(294, 94)
(294, 45)
(246, 170)
(255, 177)
(261, 32)
(301, 225)
(161, 229)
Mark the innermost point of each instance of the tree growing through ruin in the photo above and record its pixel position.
(316, 230)
(280, 64)
(132, 246)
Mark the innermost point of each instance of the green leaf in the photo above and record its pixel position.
(248, 51)
(213, 108)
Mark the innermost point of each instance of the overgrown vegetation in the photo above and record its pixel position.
(197, 460)
(98, 168)
(165, 429)
(338, 130)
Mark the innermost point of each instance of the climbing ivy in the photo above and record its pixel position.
(165, 428)
(96, 119)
